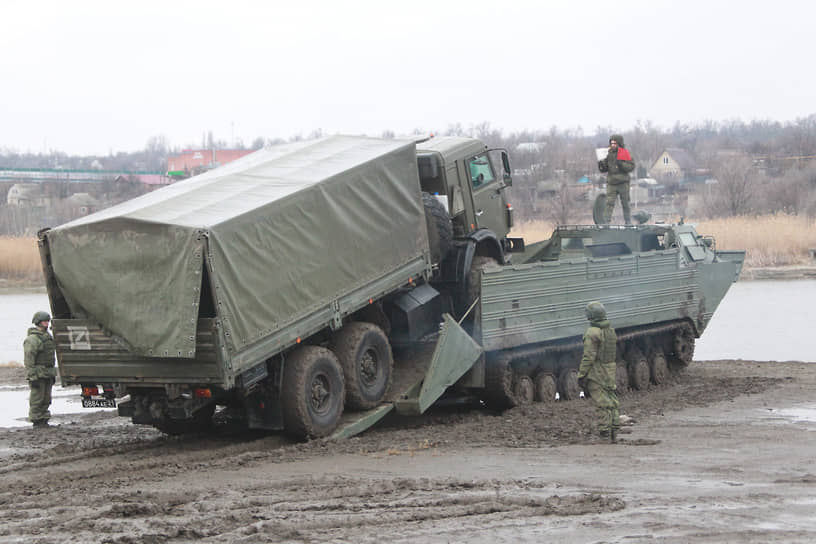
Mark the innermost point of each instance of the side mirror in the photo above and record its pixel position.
(506, 165)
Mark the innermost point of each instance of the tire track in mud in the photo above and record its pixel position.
(300, 509)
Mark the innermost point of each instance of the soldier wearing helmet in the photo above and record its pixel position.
(596, 374)
(39, 349)
(617, 164)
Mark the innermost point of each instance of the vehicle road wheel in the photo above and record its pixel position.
(440, 227)
(639, 373)
(658, 366)
(683, 348)
(524, 389)
(568, 388)
(621, 377)
(499, 391)
(365, 356)
(312, 393)
(545, 388)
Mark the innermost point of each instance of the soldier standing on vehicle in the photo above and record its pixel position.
(39, 349)
(617, 164)
(596, 374)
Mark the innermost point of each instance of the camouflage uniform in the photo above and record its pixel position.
(39, 349)
(597, 371)
(617, 166)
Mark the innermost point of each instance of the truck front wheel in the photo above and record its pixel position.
(312, 393)
(365, 355)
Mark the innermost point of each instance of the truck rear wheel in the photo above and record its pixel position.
(440, 227)
(312, 393)
(365, 356)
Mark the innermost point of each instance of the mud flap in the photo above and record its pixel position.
(455, 353)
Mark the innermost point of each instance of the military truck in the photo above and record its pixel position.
(280, 286)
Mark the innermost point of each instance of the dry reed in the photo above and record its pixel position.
(19, 259)
(769, 240)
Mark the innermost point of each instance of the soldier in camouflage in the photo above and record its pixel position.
(617, 165)
(39, 349)
(596, 374)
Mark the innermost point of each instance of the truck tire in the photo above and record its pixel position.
(440, 227)
(312, 393)
(365, 356)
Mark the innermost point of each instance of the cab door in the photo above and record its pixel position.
(489, 200)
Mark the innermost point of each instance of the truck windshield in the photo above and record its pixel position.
(480, 171)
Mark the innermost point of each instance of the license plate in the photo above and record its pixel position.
(88, 402)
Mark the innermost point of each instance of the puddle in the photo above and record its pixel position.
(798, 414)
(66, 406)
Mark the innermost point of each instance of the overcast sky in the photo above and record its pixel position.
(88, 77)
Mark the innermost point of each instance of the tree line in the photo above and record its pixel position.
(760, 166)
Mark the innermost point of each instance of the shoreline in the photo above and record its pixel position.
(795, 272)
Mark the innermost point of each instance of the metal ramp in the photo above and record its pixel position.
(418, 386)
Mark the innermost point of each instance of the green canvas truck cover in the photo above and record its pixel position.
(283, 231)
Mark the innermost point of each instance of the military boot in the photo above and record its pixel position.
(613, 436)
(41, 424)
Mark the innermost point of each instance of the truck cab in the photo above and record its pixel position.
(465, 171)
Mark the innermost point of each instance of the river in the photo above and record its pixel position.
(757, 320)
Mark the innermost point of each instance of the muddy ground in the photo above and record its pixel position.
(722, 453)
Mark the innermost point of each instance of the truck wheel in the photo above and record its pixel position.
(568, 388)
(499, 391)
(658, 366)
(312, 393)
(440, 227)
(201, 421)
(639, 373)
(365, 355)
(545, 388)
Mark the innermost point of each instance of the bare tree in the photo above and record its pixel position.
(736, 190)
(562, 205)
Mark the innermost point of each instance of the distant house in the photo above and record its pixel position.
(674, 164)
(82, 203)
(194, 161)
(26, 195)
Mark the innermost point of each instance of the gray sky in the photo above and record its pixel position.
(93, 76)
